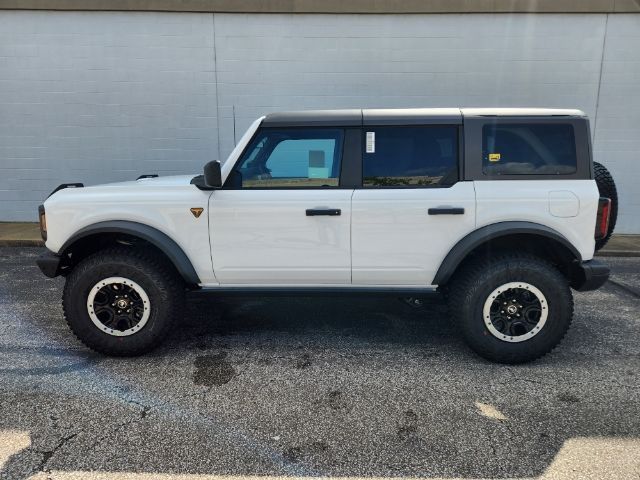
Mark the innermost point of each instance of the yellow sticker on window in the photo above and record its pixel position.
(494, 157)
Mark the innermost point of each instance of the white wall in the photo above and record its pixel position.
(617, 125)
(96, 97)
(106, 96)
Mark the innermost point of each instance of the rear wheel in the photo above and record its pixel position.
(607, 188)
(122, 302)
(513, 309)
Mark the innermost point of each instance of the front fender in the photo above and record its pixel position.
(152, 235)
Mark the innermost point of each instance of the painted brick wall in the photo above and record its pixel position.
(101, 97)
(106, 96)
(617, 132)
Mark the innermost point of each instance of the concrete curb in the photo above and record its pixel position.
(618, 253)
(21, 243)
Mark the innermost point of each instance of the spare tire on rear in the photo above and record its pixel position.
(607, 188)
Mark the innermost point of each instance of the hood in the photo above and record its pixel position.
(170, 181)
(151, 186)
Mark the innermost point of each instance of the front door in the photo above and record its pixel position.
(411, 208)
(282, 217)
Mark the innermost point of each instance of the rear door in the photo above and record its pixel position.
(283, 217)
(535, 169)
(411, 208)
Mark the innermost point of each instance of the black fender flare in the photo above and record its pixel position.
(491, 232)
(150, 234)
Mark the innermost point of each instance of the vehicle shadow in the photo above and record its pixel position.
(316, 320)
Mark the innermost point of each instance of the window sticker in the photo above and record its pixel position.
(371, 142)
(494, 157)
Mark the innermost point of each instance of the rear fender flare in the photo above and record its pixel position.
(491, 232)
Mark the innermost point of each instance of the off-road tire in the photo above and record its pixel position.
(475, 282)
(164, 288)
(607, 188)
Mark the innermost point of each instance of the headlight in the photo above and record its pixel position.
(42, 217)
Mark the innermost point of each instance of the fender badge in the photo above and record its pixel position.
(197, 211)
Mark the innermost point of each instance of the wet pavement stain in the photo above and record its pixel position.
(408, 425)
(213, 370)
(303, 362)
(294, 454)
(335, 400)
(568, 398)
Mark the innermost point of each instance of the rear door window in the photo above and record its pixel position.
(410, 156)
(528, 149)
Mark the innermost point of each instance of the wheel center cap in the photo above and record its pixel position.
(511, 309)
(122, 303)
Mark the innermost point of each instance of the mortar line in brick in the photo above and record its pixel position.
(215, 76)
(604, 45)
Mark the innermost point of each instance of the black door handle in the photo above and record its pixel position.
(446, 211)
(332, 212)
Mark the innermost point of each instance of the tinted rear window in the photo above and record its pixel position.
(420, 156)
(528, 149)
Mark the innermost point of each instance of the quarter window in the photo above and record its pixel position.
(422, 156)
(280, 158)
(528, 149)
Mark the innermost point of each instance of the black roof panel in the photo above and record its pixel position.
(399, 116)
(314, 118)
(412, 116)
(354, 117)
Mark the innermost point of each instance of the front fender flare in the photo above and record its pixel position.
(150, 234)
(490, 232)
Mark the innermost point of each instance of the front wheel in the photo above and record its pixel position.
(121, 301)
(512, 309)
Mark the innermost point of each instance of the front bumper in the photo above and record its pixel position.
(50, 264)
(589, 275)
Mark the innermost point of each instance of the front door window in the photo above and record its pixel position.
(291, 158)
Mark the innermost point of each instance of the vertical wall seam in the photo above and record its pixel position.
(215, 79)
(604, 45)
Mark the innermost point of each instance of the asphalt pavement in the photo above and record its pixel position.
(315, 387)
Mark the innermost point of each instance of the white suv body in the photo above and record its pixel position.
(363, 200)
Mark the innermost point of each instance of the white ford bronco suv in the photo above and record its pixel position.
(496, 209)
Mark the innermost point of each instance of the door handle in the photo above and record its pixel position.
(446, 211)
(332, 212)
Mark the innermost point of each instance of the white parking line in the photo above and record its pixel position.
(11, 442)
(490, 411)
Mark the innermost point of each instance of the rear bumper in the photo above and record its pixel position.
(589, 275)
(49, 264)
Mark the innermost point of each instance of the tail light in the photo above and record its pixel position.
(602, 220)
(42, 218)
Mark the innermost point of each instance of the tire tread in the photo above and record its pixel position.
(164, 278)
(607, 188)
(471, 277)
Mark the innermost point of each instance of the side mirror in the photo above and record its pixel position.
(213, 174)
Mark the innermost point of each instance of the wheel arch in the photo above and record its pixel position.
(543, 240)
(118, 230)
